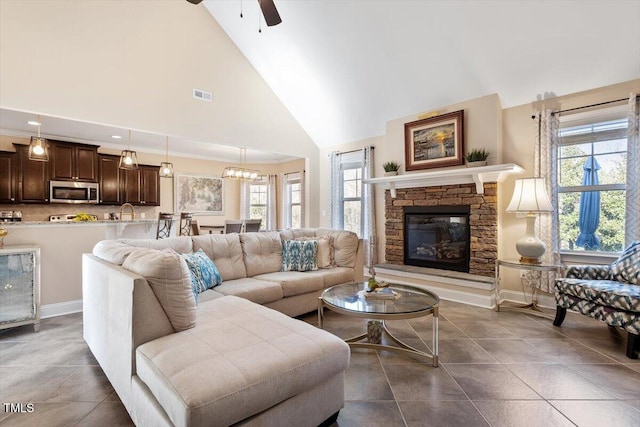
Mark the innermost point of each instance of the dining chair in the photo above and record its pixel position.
(233, 226)
(252, 225)
(195, 228)
(165, 222)
(185, 223)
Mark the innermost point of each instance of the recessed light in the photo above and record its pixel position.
(116, 137)
(33, 123)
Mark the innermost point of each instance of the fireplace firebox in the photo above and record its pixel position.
(437, 237)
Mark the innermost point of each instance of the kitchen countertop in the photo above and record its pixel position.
(75, 223)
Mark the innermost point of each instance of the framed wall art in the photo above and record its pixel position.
(434, 142)
(202, 195)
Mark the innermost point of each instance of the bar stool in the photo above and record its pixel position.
(165, 221)
(185, 224)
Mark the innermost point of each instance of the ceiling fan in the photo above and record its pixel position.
(269, 11)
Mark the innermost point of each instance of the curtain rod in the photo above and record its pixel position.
(353, 151)
(586, 106)
(291, 173)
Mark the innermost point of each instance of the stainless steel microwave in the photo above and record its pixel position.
(73, 192)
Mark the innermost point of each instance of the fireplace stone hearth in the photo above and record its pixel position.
(483, 221)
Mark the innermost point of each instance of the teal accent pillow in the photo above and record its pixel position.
(204, 273)
(300, 255)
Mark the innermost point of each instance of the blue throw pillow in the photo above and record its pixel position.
(300, 255)
(204, 274)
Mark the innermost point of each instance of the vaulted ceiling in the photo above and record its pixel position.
(345, 67)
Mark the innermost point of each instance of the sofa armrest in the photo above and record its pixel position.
(120, 312)
(589, 272)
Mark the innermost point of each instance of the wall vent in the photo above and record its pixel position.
(202, 95)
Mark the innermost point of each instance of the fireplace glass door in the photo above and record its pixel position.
(437, 239)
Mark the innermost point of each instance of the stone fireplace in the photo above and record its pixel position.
(452, 204)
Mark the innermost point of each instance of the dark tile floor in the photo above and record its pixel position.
(498, 369)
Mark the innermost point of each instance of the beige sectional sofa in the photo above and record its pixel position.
(233, 356)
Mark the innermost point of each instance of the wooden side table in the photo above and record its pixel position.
(531, 308)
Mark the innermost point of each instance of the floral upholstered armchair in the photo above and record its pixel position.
(610, 293)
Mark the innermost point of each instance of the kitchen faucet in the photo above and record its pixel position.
(133, 211)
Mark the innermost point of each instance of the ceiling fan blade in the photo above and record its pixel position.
(270, 13)
(194, 1)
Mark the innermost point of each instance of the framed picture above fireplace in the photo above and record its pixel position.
(434, 142)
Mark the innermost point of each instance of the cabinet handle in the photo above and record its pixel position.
(8, 286)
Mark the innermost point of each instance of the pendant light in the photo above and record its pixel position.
(241, 172)
(38, 147)
(166, 168)
(128, 158)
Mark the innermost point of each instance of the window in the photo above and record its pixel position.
(351, 202)
(352, 197)
(592, 162)
(293, 200)
(258, 202)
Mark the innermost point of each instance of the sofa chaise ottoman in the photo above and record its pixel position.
(231, 356)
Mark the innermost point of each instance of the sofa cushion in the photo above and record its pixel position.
(258, 291)
(262, 252)
(627, 320)
(294, 282)
(240, 360)
(345, 244)
(168, 275)
(300, 255)
(203, 272)
(225, 251)
(627, 267)
(297, 233)
(609, 293)
(116, 251)
(336, 276)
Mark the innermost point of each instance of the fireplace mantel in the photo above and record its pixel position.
(477, 175)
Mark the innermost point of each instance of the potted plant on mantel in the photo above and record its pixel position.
(391, 168)
(477, 158)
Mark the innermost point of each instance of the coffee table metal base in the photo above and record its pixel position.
(402, 348)
(372, 335)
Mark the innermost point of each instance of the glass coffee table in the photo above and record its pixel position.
(410, 302)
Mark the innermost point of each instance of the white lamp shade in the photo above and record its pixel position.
(530, 195)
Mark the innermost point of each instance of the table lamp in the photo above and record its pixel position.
(530, 197)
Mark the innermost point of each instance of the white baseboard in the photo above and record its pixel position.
(544, 300)
(479, 300)
(60, 308)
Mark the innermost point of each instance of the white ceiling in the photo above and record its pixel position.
(14, 123)
(346, 67)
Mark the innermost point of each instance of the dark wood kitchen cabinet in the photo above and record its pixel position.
(141, 186)
(73, 162)
(7, 177)
(32, 178)
(110, 179)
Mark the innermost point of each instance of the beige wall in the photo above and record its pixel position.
(508, 133)
(482, 120)
(133, 65)
(519, 140)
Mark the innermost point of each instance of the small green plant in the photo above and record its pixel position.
(391, 167)
(477, 155)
